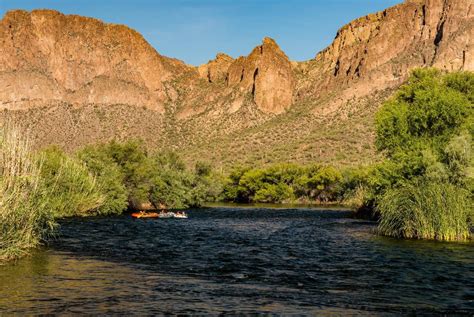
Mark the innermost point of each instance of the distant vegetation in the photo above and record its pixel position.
(423, 188)
(285, 183)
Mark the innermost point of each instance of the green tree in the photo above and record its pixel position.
(426, 132)
(136, 167)
(109, 177)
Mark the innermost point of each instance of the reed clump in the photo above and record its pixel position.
(36, 189)
(426, 210)
(25, 216)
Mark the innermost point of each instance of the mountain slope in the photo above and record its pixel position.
(76, 80)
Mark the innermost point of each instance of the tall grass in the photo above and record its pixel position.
(37, 189)
(426, 210)
(25, 217)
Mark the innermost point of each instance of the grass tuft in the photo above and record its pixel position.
(426, 210)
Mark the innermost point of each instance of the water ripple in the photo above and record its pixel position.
(229, 260)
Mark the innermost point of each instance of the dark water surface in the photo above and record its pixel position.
(278, 261)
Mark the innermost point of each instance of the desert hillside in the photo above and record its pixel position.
(75, 80)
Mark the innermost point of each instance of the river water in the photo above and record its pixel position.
(246, 260)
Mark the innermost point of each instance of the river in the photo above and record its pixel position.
(246, 260)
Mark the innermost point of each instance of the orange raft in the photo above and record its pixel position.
(145, 215)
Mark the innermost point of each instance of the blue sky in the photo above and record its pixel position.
(194, 31)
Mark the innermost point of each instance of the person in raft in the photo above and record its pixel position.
(162, 208)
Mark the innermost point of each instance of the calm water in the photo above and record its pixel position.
(281, 261)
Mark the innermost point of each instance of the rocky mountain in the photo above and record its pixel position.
(74, 80)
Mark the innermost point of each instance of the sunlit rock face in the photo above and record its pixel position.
(47, 57)
(216, 70)
(379, 50)
(267, 74)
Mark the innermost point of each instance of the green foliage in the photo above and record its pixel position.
(25, 203)
(175, 186)
(136, 167)
(426, 132)
(75, 190)
(171, 183)
(283, 183)
(423, 209)
(110, 179)
(425, 114)
(129, 176)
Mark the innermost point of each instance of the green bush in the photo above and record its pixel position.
(426, 132)
(76, 192)
(426, 210)
(171, 183)
(284, 183)
(136, 167)
(110, 179)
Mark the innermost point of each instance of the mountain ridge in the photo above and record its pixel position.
(76, 80)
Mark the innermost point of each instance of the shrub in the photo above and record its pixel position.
(284, 182)
(136, 167)
(423, 209)
(110, 179)
(76, 192)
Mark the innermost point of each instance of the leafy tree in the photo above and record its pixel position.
(426, 132)
(109, 177)
(170, 181)
(136, 167)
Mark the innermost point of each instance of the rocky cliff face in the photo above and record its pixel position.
(216, 69)
(379, 50)
(47, 57)
(97, 81)
(267, 74)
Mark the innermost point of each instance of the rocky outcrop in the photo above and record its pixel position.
(267, 74)
(216, 70)
(378, 51)
(46, 57)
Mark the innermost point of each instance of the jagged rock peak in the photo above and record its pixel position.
(223, 56)
(267, 74)
(216, 70)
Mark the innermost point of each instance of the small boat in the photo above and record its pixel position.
(143, 214)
